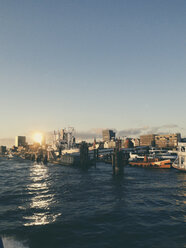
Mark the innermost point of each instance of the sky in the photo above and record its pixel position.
(92, 64)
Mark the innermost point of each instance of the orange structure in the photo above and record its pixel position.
(153, 163)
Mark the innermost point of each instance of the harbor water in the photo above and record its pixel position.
(57, 206)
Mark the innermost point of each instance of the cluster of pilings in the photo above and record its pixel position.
(117, 162)
(119, 159)
(41, 158)
(96, 154)
(36, 156)
(84, 157)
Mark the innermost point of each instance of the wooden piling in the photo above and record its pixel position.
(117, 162)
(84, 158)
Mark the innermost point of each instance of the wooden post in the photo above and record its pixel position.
(113, 163)
(117, 162)
(84, 158)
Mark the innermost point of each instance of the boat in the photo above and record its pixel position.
(68, 159)
(135, 156)
(152, 163)
(162, 154)
(180, 162)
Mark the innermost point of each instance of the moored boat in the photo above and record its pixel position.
(134, 156)
(152, 163)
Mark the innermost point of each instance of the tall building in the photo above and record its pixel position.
(108, 135)
(167, 140)
(20, 141)
(147, 140)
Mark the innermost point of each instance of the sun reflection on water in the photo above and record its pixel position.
(42, 199)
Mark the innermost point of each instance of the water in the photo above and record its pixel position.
(57, 206)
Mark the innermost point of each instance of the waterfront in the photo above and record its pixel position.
(58, 206)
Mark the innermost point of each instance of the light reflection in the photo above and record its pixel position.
(40, 219)
(41, 200)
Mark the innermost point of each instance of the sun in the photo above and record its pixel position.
(38, 137)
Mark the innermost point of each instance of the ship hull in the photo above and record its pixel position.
(165, 164)
(179, 168)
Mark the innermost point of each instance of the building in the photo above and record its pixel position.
(108, 135)
(64, 139)
(110, 144)
(2, 150)
(147, 140)
(128, 143)
(136, 142)
(168, 140)
(20, 141)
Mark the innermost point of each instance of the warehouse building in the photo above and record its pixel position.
(168, 140)
(147, 140)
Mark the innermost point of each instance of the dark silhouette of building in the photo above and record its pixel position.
(20, 141)
(2, 150)
(128, 143)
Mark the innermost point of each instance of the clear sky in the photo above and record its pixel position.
(92, 64)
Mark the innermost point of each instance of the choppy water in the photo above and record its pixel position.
(56, 206)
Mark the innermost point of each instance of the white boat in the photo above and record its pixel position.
(135, 156)
(180, 162)
(163, 154)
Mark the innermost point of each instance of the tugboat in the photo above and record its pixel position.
(152, 163)
(180, 162)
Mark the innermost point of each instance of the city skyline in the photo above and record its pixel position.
(96, 133)
(100, 64)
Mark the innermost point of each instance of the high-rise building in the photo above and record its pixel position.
(20, 141)
(108, 135)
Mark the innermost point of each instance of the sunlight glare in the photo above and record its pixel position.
(38, 137)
